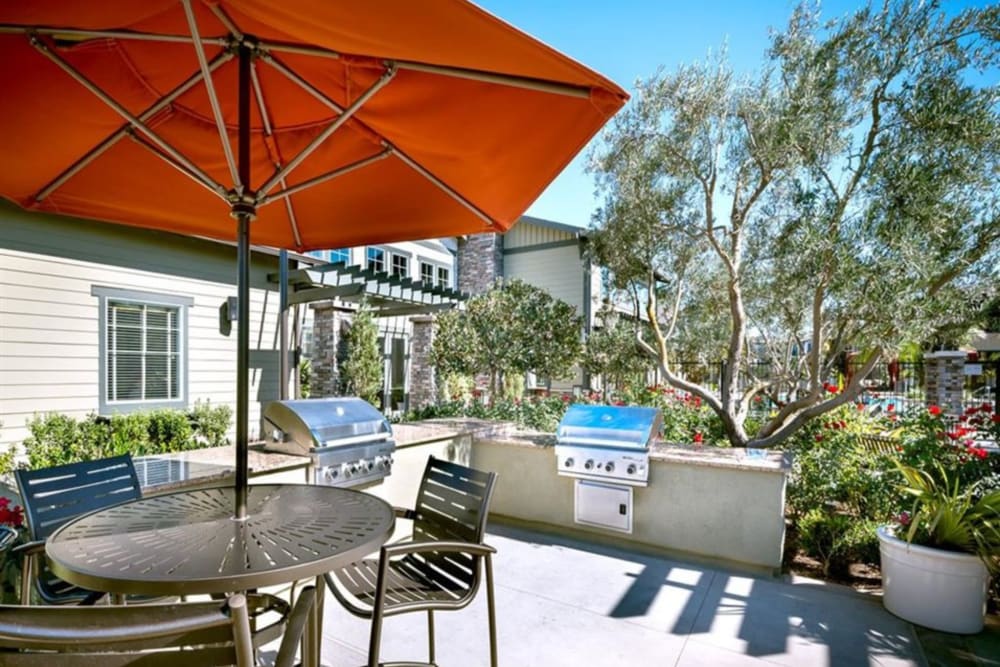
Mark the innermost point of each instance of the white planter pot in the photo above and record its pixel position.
(941, 590)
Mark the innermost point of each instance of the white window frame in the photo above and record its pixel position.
(428, 282)
(333, 259)
(447, 281)
(393, 257)
(369, 260)
(111, 295)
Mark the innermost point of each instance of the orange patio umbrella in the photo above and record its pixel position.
(314, 123)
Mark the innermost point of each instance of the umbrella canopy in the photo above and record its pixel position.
(315, 123)
(397, 119)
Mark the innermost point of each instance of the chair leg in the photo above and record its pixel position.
(430, 637)
(376, 638)
(491, 610)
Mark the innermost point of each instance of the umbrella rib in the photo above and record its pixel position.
(212, 97)
(202, 177)
(269, 131)
(528, 83)
(115, 137)
(444, 187)
(413, 164)
(109, 34)
(325, 134)
(299, 187)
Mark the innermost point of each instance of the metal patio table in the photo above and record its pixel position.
(188, 542)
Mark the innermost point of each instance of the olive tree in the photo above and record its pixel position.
(512, 328)
(843, 197)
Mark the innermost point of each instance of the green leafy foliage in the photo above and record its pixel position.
(841, 198)
(362, 369)
(211, 424)
(512, 329)
(836, 540)
(946, 514)
(56, 439)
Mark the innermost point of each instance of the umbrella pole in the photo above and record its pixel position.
(243, 212)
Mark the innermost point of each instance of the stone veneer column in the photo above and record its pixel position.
(480, 262)
(944, 380)
(423, 382)
(325, 341)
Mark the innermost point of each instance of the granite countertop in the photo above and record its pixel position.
(213, 464)
(510, 434)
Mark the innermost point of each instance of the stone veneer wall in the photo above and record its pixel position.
(423, 383)
(328, 320)
(480, 262)
(944, 378)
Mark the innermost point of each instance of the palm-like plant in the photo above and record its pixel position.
(947, 516)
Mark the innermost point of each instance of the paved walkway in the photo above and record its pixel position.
(563, 603)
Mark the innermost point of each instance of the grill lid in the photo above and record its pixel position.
(622, 427)
(323, 422)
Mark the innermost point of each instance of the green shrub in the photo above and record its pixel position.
(822, 536)
(211, 424)
(56, 439)
(170, 430)
(126, 434)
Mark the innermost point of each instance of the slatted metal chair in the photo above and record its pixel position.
(193, 634)
(438, 569)
(51, 497)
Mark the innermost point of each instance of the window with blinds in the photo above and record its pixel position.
(143, 356)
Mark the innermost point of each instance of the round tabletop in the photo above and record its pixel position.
(188, 542)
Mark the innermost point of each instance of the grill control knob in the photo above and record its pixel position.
(331, 474)
(589, 464)
(631, 469)
(569, 462)
(369, 466)
(609, 467)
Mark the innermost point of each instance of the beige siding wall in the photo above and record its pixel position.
(557, 270)
(560, 272)
(49, 342)
(525, 234)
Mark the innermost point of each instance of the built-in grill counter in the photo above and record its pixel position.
(606, 449)
(348, 440)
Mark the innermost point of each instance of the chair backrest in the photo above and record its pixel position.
(193, 634)
(453, 505)
(53, 496)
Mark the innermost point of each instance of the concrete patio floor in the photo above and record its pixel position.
(562, 602)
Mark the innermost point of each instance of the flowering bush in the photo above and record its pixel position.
(685, 418)
(948, 450)
(12, 517)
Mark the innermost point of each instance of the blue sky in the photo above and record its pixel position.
(629, 39)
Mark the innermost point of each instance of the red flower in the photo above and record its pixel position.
(819, 437)
(831, 388)
(980, 453)
(986, 407)
(619, 402)
(861, 407)
(698, 437)
(903, 518)
(934, 410)
(565, 398)
(995, 419)
(13, 516)
(890, 407)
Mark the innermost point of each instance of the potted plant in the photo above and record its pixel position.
(937, 563)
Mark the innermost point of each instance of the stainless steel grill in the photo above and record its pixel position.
(349, 441)
(607, 443)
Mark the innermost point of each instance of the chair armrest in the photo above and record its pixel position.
(296, 627)
(474, 548)
(30, 548)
